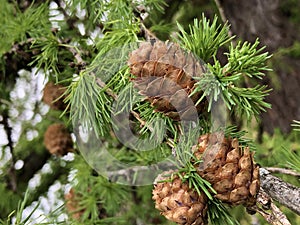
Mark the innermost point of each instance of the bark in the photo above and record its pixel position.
(285, 193)
(274, 215)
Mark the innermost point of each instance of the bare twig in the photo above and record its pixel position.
(16, 47)
(128, 174)
(10, 145)
(275, 216)
(76, 55)
(142, 122)
(285, 193)
(283, 171)
(147, 33)
(279, 215)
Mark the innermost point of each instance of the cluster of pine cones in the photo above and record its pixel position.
(230, 170)
(57, 138)
(164, 75)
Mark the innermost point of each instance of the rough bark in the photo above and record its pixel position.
(285, 193)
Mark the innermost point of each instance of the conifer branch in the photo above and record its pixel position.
(112, 94)
(18, 57)
(204, 37)
(285, 193)
(92, 96)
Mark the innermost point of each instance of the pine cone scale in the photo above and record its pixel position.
(179, 203)
(231, 169)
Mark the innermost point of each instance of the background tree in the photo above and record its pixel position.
(77, 48)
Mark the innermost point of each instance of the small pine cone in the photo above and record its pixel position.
(57, 139)
(229, 168)
(53, 96)
(164, 75)
(72, 205)
(179, 203)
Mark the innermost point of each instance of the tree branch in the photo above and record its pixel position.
(272, 188)
(285, 193)
(275, 217)
(283, 171)
(11, 170)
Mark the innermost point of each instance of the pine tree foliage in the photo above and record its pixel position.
(204, 37)
(244, 59)
(84, 46)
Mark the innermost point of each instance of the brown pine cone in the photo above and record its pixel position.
(53, 96)
(229, 168)
(57, 139)
(179, 203)
(164, 74)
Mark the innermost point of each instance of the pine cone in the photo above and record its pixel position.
(164, 75)
(57, 139)
(229, 168)
(179, 203)
(53, 96)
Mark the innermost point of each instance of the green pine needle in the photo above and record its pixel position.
(247, 101)
(90, 105)
(204, 37)
(292, 159)
(219, 215)
(33, 22)
(246, 59)
(223, 82)
(48, 59)
(233, 132)
(296, 125)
